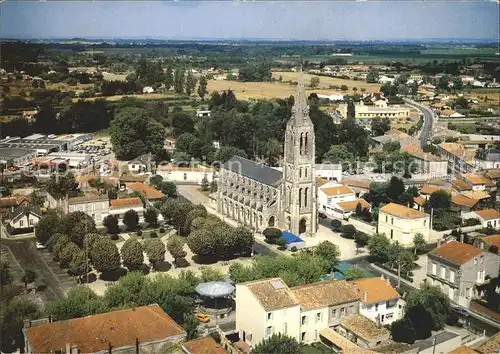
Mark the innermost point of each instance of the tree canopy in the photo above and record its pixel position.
(278, 343)
(134, 132)
(105, 256)
(132, 254)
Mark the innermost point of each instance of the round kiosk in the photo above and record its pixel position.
(217, 297)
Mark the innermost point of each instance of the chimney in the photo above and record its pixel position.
(68, 348)
(365, 296)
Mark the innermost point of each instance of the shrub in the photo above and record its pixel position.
(403, 331)
(162, 230)
(115, 237)
(471, 222)
(348, 231)
(452, 319)
(293, 249)
(153, 234)
(281, 242)
(336, 225)
(139, 233)
(272, 234)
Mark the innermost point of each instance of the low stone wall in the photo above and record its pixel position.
(362, 226)
(438, 235)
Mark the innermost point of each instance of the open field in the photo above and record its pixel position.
(325, 82)
(257, 90)
(65, 87)
(114, 77)
(269, 90)
(149, 96)
(84, 69)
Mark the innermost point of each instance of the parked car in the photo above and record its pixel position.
(40, 246)
(203, 318)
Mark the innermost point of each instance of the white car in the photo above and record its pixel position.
(40, 246)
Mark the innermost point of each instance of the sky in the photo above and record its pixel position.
(285, 20)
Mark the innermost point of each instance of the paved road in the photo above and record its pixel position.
(428, 121)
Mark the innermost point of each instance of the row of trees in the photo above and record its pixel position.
(175, 295)
(393, 255)
(303, 268)
(206, 235)
(149, 73)
(15, 308)
(256, 130)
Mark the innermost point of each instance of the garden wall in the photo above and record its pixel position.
(363, 226)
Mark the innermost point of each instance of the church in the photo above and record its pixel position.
(259, 196)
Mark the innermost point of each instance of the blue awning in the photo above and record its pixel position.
(291, 238)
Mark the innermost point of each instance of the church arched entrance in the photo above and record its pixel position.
(271, 221)
(302, 226)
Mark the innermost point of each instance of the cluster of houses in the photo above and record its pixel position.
(21, 216)
(471, 153)
(472, 196)
(346, 316)
(376, 106)
(144, 329)
(351, 316)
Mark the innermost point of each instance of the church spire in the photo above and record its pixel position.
(300, 110)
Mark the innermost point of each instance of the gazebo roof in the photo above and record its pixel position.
(215, 289)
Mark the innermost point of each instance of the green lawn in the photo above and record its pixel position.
(316, 348)
(146, 234)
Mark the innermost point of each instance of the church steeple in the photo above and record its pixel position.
(300, 109)
(299, 181)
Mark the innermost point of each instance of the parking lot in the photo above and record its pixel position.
(53, 282)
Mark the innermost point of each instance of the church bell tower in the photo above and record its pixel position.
(299, 180)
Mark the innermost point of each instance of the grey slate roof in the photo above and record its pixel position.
(25, 209)
(383, 139)
(258, 172)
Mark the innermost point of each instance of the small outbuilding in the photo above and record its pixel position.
(216, 296)
(293, 240)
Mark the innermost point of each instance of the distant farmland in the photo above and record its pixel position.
(325, 82)
(269, 90)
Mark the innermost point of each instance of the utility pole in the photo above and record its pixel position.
(399, 271)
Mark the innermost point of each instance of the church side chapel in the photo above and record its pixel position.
(259, 196)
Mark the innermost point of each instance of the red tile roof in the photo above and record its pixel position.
(338, 190)
(352, 205)
(488, 214)
(205, 345)
(377, 290)
(402, 211)
(95, 333)
(462, 200)
(456, 252)
(419, 200)
(460, 185)
(146, 190)
(125, 202)
(492, 240)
